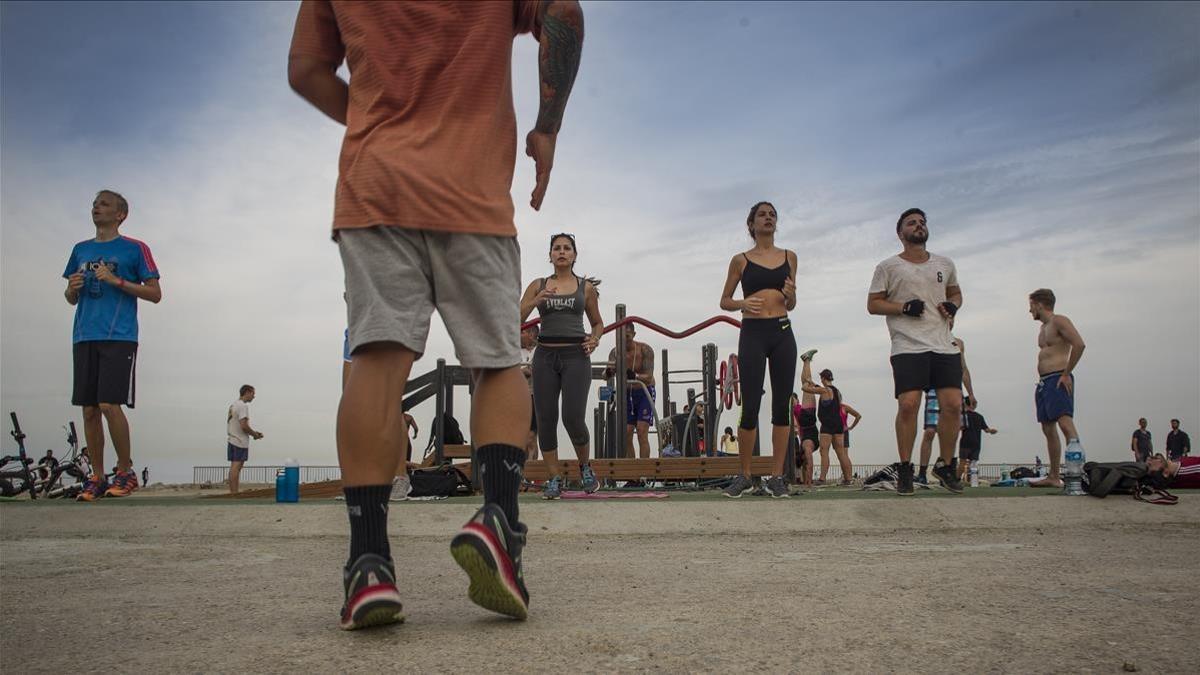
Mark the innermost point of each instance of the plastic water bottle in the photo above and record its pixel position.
(974, 473)
(1073, 469)
(287, 482)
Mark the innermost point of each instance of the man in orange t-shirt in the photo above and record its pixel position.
(424, 220)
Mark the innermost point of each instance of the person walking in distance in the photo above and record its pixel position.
(423, 219)
(239, 433)
(106, 276)
(919, 293)
(1060, 346)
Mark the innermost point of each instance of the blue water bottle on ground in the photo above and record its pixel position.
(287, 482)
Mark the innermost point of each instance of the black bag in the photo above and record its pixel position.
(439, 481)
(451, 432)
(1101, 479)
(1023, 472)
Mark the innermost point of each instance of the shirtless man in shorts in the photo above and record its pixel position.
(1059, 348)
(639, 410)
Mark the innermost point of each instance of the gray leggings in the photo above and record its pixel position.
(565, 370)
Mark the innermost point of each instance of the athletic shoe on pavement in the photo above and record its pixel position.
(553, 489)
(948, 475)
(124, 483)
(489, 551)
(740, 486)
(401, 486)
(590, 484)
(93, 488)
(371, 595)
(904, 479)
(777, 488)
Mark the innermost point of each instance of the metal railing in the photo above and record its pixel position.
(215, 475)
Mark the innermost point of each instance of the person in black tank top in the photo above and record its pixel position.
(561, 363)
(768, 277)
(833, 428)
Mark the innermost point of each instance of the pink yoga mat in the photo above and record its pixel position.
(580, 494)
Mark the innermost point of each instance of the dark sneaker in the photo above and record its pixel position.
(371, 595)
(904, 479)
(948, 475)
(740, 486)
(553, 489)
(93, 488)
(590, 484)
(777, 488)
(923, 479)
(489, 551)
(807, 356)
(124, 483)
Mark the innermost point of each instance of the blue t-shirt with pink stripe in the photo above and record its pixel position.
(105, 312)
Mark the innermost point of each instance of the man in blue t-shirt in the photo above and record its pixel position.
(105, 278)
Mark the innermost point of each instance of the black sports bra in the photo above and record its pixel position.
(755, 277)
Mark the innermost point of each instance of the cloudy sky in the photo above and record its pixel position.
(1051, 144)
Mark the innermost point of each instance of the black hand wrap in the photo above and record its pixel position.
(913, 308)
(630, 374)
(950, 308)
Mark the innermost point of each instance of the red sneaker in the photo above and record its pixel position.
(123, 485)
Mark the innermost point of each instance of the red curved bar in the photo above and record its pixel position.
(720, 318)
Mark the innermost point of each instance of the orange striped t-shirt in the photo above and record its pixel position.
(430, 130)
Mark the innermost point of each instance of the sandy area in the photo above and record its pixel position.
(932, 583)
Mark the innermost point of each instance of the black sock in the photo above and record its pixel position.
(924, 470)
(500, 470)
(367, 506)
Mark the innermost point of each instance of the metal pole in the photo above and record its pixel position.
(666, 385)
(598, 425)
(439, 409)
(688, 434)
(711, 397)
(620, 391)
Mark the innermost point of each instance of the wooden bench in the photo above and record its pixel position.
(662, 468)
(449, 452)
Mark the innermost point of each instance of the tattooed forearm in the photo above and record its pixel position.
(558, 60)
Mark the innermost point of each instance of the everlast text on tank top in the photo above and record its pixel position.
(562, 315)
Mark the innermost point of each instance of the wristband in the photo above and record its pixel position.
(913, 308)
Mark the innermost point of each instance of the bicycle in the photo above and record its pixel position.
(76, 465)
(8, 486)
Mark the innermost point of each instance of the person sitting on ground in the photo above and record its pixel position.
(47, 464)
(729, 444)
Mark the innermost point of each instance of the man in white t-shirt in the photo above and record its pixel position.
(239, 431)
(919, 294)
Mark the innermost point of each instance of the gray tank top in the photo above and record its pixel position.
(562, 315)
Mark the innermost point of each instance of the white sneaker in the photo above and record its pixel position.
(400, 489)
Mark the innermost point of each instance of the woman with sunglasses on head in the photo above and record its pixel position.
(767, 274)
(561, 363)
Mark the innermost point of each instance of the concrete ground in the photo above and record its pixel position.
(989, 582)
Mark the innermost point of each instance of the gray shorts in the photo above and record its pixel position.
(396, 277)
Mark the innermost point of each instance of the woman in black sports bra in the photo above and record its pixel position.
(768, 277)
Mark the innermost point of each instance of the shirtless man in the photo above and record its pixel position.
(1059, 349)
(639, 408)
(932, 412)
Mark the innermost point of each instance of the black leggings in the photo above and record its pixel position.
(566, 371)
(764, 340)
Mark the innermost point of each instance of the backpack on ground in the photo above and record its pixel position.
(445, 480)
